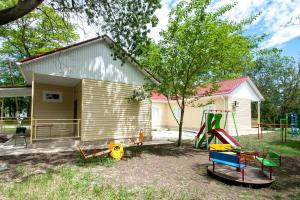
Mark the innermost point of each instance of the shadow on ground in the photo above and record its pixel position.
(162, 150)
(52, 159)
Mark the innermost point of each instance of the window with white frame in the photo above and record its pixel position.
(155, 113)
(52, 96)
(177, 112)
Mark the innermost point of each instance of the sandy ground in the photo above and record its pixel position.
(179, 170)
(172, 135)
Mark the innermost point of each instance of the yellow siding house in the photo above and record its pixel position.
(232, 95)
(81, 92)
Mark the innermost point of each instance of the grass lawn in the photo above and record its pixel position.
(148, 172)
(272, 141)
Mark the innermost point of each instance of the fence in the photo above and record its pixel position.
(8, 125)
(55, 128)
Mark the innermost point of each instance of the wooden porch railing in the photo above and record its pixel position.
(55, 128)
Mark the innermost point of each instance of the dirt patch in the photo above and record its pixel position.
(181, 170)
(4, 137)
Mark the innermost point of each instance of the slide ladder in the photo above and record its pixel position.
(213, 121)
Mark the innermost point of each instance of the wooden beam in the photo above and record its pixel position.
(2, 107)
(258, 112)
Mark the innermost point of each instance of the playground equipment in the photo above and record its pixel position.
(115, 150)
(139, 140)
(211, 128)
(283, 130)
(283, 126)
(232, 165)
(270, 160)
(294, 123)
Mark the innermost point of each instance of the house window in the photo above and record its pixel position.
(155, 113)
(177, 112)
(209, 107)
(51, 96)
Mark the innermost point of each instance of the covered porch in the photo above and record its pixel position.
(55, 107)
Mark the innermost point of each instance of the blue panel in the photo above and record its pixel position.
(225, 157)
(228, 163)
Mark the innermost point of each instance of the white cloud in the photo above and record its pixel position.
(275, 15)
(163, 15)
(84, 30)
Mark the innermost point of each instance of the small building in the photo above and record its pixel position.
(232, 95)
(81, 91)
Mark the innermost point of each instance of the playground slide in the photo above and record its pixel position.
(224, 137)
(202, 129)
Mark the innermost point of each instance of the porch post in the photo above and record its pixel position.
(258, 112)
(2, 107)
(32, 100)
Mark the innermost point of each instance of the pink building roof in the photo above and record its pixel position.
(226, 87)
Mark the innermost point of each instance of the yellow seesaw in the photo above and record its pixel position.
(115, 150)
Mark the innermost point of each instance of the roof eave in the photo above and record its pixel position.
(255, 89)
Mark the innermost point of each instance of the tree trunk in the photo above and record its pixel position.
(181, 123)
(22, 8)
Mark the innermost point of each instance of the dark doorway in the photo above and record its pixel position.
(75, 110)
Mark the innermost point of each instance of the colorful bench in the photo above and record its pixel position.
(227, 159)
(220, 147)
(270, 160)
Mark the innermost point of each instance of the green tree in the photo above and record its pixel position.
(37, 32)
(277, 77)
(127, 21)
(198, 47)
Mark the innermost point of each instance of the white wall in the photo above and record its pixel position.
(244, 91)
(159, 114)
(92, 61)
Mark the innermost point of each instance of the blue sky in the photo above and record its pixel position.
(278, 19)
(274, 20)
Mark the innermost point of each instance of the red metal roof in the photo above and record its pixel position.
(157, 96)
(226, 87)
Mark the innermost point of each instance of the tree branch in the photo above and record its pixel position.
(172, 111)
(22, 8)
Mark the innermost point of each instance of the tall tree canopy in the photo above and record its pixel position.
(127, 21)
(198, 47)
(278, 79)
(39, 31)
